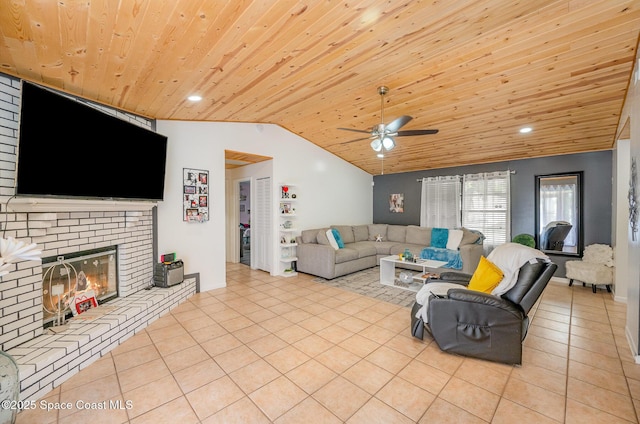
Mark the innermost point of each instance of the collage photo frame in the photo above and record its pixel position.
(195, 194)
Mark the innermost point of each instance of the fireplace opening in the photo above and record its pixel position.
(73, 283)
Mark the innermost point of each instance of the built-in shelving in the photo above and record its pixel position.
(287, 230)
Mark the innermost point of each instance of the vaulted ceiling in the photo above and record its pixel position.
(476, 70)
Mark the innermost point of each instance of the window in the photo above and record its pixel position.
(440, 202)
(486, 206)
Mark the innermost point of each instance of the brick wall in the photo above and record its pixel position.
(59, 233)
(47, 360)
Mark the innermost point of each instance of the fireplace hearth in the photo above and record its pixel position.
(71, 284)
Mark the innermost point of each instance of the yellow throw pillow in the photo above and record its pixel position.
(486, 277)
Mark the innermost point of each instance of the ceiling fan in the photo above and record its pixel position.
(383, 135)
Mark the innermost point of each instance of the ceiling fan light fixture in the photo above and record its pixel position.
(376, 145)
(388, 143)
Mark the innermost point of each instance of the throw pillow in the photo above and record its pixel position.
(468, 236)
(332, 240)
(439, 237)
(486, 277)
(455, 237)
(338, 238)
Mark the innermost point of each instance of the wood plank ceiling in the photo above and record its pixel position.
(476, 70)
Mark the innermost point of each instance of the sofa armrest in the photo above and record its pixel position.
(470, 255)
(454, 277)
(473, 297)
(316, 259)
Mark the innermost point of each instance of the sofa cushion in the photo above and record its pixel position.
(364, 249)
(419, 235)
(346, 233)
(377, 229)
(360, 233)
(384, 247)
(439, 237)
(345, 255)
(454, 239)
(397, 233)
(399, 248)
(309, 236)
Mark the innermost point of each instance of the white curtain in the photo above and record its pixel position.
(486, 206)
(440, 204)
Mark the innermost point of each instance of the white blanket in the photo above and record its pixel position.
(422, 297)
(509, 257)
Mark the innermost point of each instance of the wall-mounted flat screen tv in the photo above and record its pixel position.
(69, 149)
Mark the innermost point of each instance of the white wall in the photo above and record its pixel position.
(631, 113)
(620, 219)
(331, 191)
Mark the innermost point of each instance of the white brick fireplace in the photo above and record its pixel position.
(61, 228)
(46, 360)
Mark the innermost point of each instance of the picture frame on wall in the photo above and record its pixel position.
(396, 203)
(195, 203)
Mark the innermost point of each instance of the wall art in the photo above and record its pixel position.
(396, 203)
(195, 200)
(633, 199)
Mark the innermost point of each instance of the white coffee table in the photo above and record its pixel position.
(388, 271)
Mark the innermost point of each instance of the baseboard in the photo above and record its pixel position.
(559, 280)
(632, 348)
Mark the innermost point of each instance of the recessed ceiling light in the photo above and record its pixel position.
(195, 98)
(526, 130)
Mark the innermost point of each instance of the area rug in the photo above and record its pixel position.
(367, 282)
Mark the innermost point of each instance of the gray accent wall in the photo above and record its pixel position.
(597, 186)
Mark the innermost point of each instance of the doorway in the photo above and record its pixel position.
(244, 218)
(255, 171)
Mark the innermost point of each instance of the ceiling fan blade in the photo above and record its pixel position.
(357, 139)
(396, 124)
(416, 132)
(354, 130)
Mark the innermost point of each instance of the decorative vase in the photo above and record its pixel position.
(9, 388)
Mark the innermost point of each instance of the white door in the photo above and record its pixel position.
(261, 216)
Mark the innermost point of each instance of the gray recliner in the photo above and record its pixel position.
(482, 325)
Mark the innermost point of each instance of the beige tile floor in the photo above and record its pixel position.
(289, 350)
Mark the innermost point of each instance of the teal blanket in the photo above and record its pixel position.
(452, 257)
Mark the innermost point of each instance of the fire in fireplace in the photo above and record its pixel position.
(76, 282)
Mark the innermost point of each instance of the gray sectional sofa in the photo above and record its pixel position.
(316, 256)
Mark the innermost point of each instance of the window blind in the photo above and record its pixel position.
(440, 204)
(486, 206)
